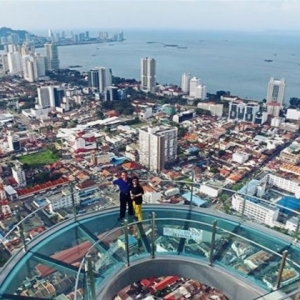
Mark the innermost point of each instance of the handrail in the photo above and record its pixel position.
(192, 184)
(166, 180)
(86, 254)
(210, 258)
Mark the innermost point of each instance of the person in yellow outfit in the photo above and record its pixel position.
(136, 193)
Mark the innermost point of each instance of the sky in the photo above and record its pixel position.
(244, 15)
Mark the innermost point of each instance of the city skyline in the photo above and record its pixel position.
(206, 15)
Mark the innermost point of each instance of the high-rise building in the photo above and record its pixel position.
(19, 175)
(194, 83)
(111, 93)
(13, 141)
(52, 56)
(201, 92)
(185, 82)
(50, 96)
(27, 48)
(41, 65)
(5, 66)
(275, 96)
(46, 96)
(14, 63)
(93, 78)
(105, 78)
(100, 78)
(158, 145)
(148, 70)
(30, 72)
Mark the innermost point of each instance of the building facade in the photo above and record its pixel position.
(242, 111)
(215, 109)
(185, 82)
(148, 70)
(275, 96)
(52, 56)
(261, 213)
(158, 145)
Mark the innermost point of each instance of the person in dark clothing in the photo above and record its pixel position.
(125, 184)
(137, 198)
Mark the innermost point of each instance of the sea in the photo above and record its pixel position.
(239, 62)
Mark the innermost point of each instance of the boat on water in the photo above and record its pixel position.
(74, 66)
(170, 45)
(268, 60)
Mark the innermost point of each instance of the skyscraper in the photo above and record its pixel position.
(93, 78)
(14, 63)
(50, 96)
(46, 96)
(41, 65)
(158, 145)
(105, 78)
(52, 56)
(275, 96)
(100, 78)
(194, 83)
(185, 82)
(30, 72)
(148, 69)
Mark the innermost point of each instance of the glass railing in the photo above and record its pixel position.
(254, 255)
(98, 242)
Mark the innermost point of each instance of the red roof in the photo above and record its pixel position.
(69, 256)
(43, 186)
(165, 282)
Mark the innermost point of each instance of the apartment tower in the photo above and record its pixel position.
(100, 78)
(185, 82)
(148, 69)
(52, 56)
(158, 145)
(275, 96)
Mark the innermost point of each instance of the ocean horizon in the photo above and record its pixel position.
(239, 62)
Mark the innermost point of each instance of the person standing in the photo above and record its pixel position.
(136, 193)
(125, 184)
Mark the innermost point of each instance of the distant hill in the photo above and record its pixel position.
(4, 31)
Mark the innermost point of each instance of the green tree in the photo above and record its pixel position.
(223, 198)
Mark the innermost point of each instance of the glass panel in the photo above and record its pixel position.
(63, 244)
(109, 252)
(263, 236)
(139, 231)
(54, 262)
(99, 224)
(27, 280)
(248, 259)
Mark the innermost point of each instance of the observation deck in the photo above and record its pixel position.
(93, 256)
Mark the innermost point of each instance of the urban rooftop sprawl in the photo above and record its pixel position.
(64, 132)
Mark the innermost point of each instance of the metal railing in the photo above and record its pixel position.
(281, 260)
(87, 264)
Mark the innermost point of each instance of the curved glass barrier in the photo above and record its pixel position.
(248, 256)
(73, 257)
